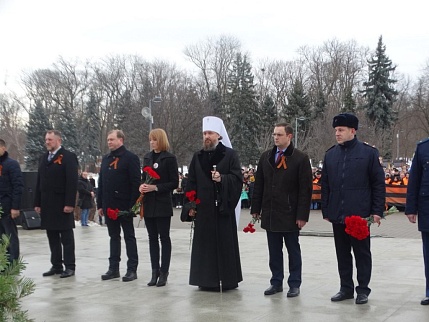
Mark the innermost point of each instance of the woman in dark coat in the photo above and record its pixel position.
(86, 194)
(157, 203)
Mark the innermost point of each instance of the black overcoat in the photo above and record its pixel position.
(282, 196)
(56, 188)
(215, 252)
(119, 180)
(159, 203)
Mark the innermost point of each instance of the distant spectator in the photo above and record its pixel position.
(86, 194)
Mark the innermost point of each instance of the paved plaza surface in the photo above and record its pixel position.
(397, 280)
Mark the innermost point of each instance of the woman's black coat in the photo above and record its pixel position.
(159, 203)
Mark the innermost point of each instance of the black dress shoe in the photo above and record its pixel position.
(67, 273)
(425, 301)
(293, 292)
(53, 271)
(273, 290)
(130, 276)
(361, 299)
(341, 296)
(109, 275)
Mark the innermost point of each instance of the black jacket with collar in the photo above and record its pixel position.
(352, 182)
(159, 203)
(119, 180)
(11, 184)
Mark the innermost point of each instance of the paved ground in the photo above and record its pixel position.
(397, 281)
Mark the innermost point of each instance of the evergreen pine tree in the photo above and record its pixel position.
(379, 92)
(66, 124)
(298, 107)
(13, 286)
(298, 103)
(241, 110)
(349, 102)
(267, 120)
(37, 126)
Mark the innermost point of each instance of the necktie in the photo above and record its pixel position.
(50, 156)
(279, 156)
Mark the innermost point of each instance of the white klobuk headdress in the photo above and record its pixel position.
(215, 124)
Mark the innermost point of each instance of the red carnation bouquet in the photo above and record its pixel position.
(358, 227)
(151, 176)
(114, 214)
(193, 201)
(192, 197)
(250, 226)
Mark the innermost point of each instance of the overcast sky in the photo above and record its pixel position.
(34, 33)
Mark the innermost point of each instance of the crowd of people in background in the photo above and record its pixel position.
(397, 176)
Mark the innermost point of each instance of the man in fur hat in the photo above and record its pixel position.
(352, 185)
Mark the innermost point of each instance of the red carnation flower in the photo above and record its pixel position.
(112, 213)
(357, 227)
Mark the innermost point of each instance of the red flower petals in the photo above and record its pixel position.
(249, 228)
(357, 227)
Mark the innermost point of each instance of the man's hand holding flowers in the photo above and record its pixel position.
(376, 219)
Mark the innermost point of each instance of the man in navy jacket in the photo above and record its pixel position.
(11, 187)
(352, 184)
(418, 201)
(118, 188)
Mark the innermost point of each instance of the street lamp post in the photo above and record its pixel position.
(397, 146)
(147, 111)
(301, 118)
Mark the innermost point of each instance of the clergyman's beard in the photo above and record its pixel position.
(209, 145)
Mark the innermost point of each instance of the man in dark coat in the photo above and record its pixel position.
(215, 176)
(118, 188)
(11, 187)
(418, 202)
(352, 185)
(281, 198)
(55, 199)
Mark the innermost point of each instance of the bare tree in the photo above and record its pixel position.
(214, 58)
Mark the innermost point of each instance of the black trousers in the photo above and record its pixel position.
(275, 247)
(425, 240)
(344, 243)
(8, 227)
(159, 228)
(114, 228)
(62, 242)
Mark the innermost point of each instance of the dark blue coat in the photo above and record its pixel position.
(118, 183)
(11, 184)
(418, 186)
(159, 203)
(352, 182)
